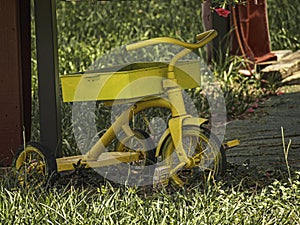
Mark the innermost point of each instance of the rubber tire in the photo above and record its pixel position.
(50, 170)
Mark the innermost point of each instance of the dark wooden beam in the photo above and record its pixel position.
(48, 78)
(25, 38)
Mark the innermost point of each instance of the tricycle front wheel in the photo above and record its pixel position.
(203, 148)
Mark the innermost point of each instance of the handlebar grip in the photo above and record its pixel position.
(203, 39)
(205, 34)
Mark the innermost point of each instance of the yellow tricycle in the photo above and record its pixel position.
(186, 150)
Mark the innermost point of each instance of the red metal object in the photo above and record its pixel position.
(253, 30)
(250, 36)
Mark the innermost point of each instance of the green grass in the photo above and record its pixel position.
(283, 19)
(236, 202)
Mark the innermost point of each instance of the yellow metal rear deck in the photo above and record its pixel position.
(132, 81)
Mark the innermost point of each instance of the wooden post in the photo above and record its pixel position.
(48, 78)
(15, 83)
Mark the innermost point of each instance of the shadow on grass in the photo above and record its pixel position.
(238, 177)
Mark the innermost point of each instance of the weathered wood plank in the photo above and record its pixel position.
(260, 134)
(282, 53)
(279, 54)
(293, 79)
(286, 66)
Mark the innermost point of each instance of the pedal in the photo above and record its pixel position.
(231, 144)
(161, 176)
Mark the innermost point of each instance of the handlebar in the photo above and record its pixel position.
(202, 38)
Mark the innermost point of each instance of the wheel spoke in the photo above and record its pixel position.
(32, 166)
(203, 148)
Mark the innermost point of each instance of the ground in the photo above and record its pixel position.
(260, 132)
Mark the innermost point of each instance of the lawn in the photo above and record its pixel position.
(243, 197)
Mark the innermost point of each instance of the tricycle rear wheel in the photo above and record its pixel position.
(140, 142)
(35, 166)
